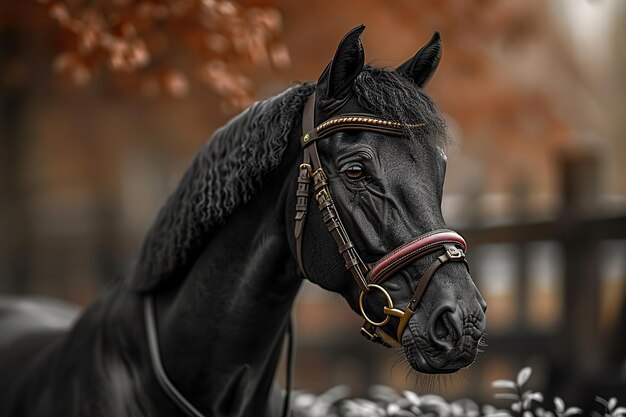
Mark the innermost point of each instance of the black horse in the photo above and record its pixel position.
(196, 328)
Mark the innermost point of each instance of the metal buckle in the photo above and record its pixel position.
(454, 252)
(308, 168)
(368, 335)
(319, 177)
(322, 195)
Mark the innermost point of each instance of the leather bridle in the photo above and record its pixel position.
(367, 277)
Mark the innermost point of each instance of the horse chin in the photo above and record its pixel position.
(442, 362)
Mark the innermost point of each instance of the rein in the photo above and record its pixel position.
(166, 383)
(367, 277)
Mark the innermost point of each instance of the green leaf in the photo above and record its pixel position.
(503, 383)
(523, 376)
(602, 401)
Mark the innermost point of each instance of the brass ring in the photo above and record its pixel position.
(389, 305)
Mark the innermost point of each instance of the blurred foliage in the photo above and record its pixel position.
(161, 42)
(384, 401)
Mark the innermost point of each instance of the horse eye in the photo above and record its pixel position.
(354, 171)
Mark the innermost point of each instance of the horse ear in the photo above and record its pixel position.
(424, 63)
(336, 80)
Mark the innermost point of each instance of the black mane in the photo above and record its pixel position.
(392, 96)
(224, 174)
(230, 167)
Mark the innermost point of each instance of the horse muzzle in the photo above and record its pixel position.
(452, 248)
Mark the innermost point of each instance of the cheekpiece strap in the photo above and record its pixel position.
(311, 170)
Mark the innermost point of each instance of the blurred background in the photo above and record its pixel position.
(103, 103)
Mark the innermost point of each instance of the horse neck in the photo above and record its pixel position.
(221, 331)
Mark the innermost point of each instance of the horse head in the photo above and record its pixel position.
(372, 175)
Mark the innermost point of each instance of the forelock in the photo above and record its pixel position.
(388, 94)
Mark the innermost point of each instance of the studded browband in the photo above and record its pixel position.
(367, 277)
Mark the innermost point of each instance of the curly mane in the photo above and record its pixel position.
(226, 173)
(230, 167)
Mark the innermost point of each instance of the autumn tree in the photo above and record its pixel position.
(164, 47)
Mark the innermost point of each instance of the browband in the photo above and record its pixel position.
(355, 122)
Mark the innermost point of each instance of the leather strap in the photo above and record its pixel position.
(304, 183)
(355, 121)
(289, 370)
(311, 167)
(453, 245)
(167, 385)
(155, 356)
(451, 254)
(411, 251)
(330, 216)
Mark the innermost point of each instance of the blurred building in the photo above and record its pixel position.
(534, 94)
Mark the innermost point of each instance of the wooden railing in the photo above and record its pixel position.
(578, 356)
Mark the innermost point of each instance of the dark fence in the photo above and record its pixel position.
(579, 359)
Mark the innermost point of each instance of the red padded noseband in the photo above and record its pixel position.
(447, 241)
(409, 252)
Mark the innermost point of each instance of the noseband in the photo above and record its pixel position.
(369, 278)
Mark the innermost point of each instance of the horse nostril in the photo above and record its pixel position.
(442, 329)
(445, 329)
